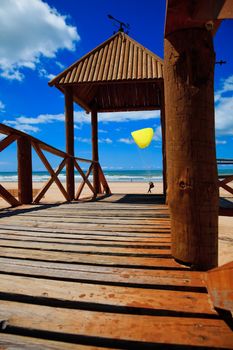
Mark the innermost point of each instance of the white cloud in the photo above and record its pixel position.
(82, 139)
(128, 116)
(77, 127)
(29, 30)
(221, 142)
(157, 134)
(224, 108)
(40, 119)
(22, 127)
(87, 140)
(80, 117)
(60, 65)
(102, 131)
(44, 74)
(107, 140)
(2, 107)
(126, 140)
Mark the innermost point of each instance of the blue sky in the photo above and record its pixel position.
(44, 37)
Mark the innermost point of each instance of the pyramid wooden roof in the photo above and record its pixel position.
(110, 77)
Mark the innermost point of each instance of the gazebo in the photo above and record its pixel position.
(121, 75)
(118, 75)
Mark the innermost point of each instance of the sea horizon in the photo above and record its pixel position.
(118, 175)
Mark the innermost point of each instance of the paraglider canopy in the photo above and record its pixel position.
(143, 137)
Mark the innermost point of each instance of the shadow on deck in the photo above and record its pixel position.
(100, 274)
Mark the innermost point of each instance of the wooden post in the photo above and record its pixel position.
(24, 170)
(190, 148)
(69, 120)
(95, 152)
(163, 131)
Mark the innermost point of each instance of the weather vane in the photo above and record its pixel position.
(122, 27)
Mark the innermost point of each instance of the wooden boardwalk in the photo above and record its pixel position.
(100, 274)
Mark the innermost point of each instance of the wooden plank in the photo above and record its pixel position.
(17, 342)
(163, 250)
(112, 260)
(102, 296)
(58, 230)
(43, 216)
(182, 279)
(90, 241)
(220, 286)
(165, 330)
(93, 213)
(44, 231)
(85, 226)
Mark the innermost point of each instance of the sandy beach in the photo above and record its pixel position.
(225, 223)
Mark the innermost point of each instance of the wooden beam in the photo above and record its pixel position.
(104, 181)
(128, 109)
(190, 148)
(24, 170)
(85, 180)
(8, 197)
(163, 131)
(95, 151)
(50, 170)
(5, 129)
(79, 191)
(7, 141)
(69, 121)
(50, 181)
(182, 14)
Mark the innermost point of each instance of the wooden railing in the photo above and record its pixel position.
(25, 143)
(225, 179)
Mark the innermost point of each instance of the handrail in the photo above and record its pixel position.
(7, 130)
(25, 143)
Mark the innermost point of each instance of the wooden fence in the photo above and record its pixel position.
(25, 143)
(225, 179)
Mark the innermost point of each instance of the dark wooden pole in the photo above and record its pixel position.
(69, 121)
(163, 131)
(24, 170)
(190, 147)
(95, 152)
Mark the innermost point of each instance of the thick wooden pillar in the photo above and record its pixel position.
(95, 152)
(24, 170)
(69, 122)
(163, 131)
(190, 147)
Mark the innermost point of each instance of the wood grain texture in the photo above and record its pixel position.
(88, 274)
(190, 147)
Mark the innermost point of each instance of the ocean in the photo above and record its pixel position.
(111, 175)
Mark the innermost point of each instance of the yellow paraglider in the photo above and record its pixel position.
(143, 137)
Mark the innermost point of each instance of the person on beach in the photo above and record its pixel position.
(151, 185)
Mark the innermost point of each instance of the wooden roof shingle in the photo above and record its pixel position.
(118, 58)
